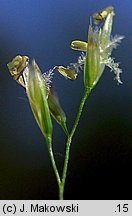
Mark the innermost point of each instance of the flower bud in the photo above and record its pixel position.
(36, 92)
(67, 73)
(106, 31)
(79, 45)
(56, 110)
(92, 62)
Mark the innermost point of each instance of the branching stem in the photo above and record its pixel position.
(61, 181)
(68, 144)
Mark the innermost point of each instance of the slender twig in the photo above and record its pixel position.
(68, 144)
(53, 163)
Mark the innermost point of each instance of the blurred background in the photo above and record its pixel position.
(101, 153)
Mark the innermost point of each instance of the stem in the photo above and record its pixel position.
(53, 162)
(68, 144)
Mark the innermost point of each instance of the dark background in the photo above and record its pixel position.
(100, 163)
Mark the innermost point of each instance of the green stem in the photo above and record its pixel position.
(68, 144)
(53, 162)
